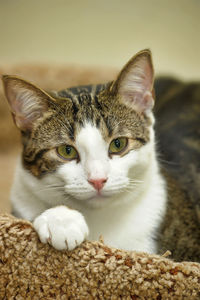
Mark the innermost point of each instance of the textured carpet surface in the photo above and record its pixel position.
(32, 270)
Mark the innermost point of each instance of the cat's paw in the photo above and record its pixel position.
(61, 227)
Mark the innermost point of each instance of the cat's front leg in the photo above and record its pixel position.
(61, 227)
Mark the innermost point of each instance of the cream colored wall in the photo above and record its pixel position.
(102, 32)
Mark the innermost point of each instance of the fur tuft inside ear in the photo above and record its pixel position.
(27, 102)
(134, 84)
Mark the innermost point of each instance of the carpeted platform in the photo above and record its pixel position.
(32, 270)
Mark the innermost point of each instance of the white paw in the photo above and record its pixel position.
(61, 227)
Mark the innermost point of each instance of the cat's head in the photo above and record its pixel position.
(97, 140)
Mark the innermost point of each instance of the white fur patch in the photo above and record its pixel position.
(93, 151)
(61, 227)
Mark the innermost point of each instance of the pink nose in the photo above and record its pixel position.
(98, 183)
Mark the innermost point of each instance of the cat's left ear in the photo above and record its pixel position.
(134, 84)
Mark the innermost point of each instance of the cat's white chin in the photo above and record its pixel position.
(96, 200)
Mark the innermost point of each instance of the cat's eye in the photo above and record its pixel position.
(118, 145)
(67, 152)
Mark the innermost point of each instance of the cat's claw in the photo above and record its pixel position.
(63, 228)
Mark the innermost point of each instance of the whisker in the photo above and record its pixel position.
(129, 191)
(168, 162)
(50, 188)
(131, 187)
(115, 185)
(53, 185)
(135, 181)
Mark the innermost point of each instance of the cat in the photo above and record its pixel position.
(89, 165)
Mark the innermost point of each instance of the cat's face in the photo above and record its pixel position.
(96, 140)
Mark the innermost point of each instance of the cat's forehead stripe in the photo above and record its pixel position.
(85, 91)
(87, 106)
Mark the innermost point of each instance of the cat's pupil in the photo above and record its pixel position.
(117, 143)
(68, 149)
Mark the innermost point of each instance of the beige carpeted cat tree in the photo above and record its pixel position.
(32, 270)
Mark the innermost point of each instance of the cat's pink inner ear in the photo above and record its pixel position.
(135, 83)
(25, 102)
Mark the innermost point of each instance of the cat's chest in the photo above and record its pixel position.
(130, 226)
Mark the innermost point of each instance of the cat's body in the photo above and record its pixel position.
(177, 113)
(107, 182)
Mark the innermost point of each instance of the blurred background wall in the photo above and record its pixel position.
(102, 32)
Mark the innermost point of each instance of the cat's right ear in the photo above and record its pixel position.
(27, 102)
(134, 84)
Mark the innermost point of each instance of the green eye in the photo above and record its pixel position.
(118, 145)
(67, 152)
